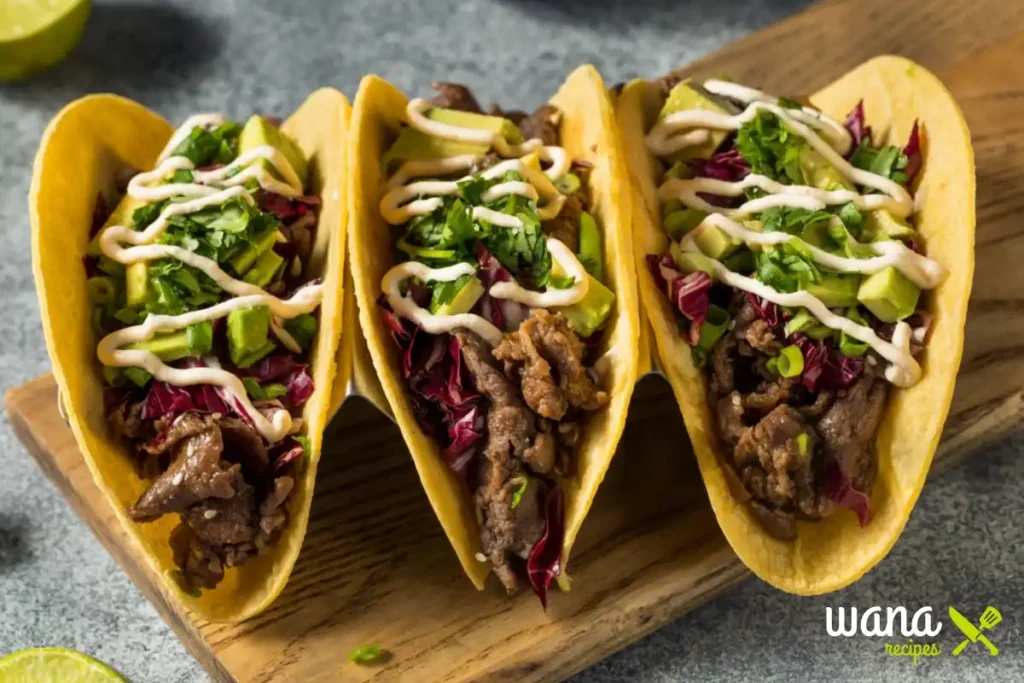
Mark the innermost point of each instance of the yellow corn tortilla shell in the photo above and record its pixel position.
(82, 151)
(588, 133)
(836, 552)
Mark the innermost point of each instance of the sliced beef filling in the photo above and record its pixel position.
(782, 437)
(454, 96)
(534, 406)
(218, 479)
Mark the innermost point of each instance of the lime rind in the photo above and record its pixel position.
(43, 39)
(55, 665)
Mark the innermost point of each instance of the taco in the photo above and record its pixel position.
(493, 270)
(193, 329)
(807, 277)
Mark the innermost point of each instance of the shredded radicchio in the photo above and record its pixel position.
(728, 165)
(688, 293)
(432, 366)
(545, 561)
(859, 131)
(913, 153)
(824, 369)
(504, 314)
(839, 488)
(283, 369)
(286, 208)
(290, 451)
(766, 310)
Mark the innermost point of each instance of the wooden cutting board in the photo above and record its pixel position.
(376, 567)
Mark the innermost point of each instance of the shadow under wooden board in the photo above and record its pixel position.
(376, 567)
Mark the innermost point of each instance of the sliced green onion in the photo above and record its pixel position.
(517, 495)
(715, 325)
(790, 361)
(671, 206)
(425, 252)
(772, 365)
(802, 442)
(568, 183)
(366, 654)
(849, 346)
(809, 325)
(113, 376)
(199, 338)
(137, 376)
(101, 289)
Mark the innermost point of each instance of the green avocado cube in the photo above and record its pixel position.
(820, 173)
(195, 340)
(245, 259)
(881, 224)
(889, 295)
(413, 145)
(691, 261)
(836, 290)
(678, 223)
(468, 119)
(687, 95)
(714, 242)
(265, 268)
(590, 313)
(259, 132)
(248, 335)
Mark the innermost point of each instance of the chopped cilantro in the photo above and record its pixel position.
(265, 392)
(771, 149)
(444, 292)
(787, 103)
(205, 147)
(517, 495)
(790, 220)
(787, 267)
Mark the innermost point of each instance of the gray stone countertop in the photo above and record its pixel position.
(58, 586)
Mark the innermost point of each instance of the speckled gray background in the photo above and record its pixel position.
(963, 545)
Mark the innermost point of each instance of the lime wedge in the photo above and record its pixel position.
(55, 665)
(35, 34)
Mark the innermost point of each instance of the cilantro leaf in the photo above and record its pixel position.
(205, 147)
(791, 220)
(770, 148)
(146, 214)
(443, 293)
(787, 267)
(787, 103)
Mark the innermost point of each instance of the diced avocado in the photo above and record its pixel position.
(889, 295)
(713, 242)
(136, 283)
(169, 346)
(590, 312)
(836, 290)
(302, 328)
(715, 325)
(680, 222)
(265, 269)
(248, 330)
(690, 261)
(820, 173)
(685, 96)
(259, 132)
(244, 260)
(138, 376)
(464, 299)
(590, 253)
(412, 145)
(880, 224)
(468, 119)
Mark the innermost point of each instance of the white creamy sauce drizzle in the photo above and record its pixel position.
(904, 371)
(406, 200)
(209, 188)
(680, 129)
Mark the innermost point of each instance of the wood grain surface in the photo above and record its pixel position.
(376, 567)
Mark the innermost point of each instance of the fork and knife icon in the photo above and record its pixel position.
(989, 618)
